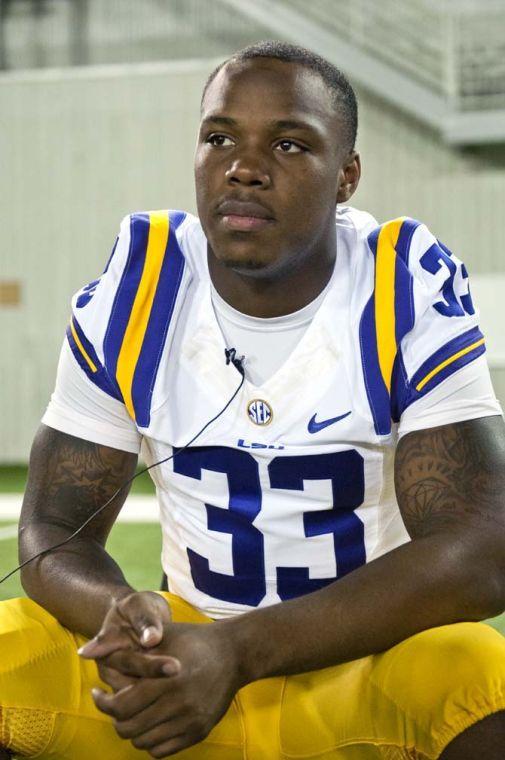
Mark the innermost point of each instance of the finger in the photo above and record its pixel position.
(113, 678)
(131, 700)
(160, 734)
(142, 665)
(148, 723)
(174, 745)
(95, 649)
(103, 701)
(105, 643)
(147, 613)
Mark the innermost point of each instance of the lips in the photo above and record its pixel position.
(244, 216)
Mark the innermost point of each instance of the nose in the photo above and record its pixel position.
(250, 170)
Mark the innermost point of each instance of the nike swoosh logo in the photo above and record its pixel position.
(315, 427)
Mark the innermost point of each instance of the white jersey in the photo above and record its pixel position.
(292, 486)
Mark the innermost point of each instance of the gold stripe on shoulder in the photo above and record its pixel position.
(446, 363)
(385, 321)
(142, 305)
(81, 348)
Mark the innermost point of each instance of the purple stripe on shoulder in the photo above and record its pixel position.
(445, 352)
(126, 292)
(372, 239)
(406, 393)
(400, 388)
(404, 301)
(99, 378)
(86, 344)
(404, 282)
(158, 324)
(409, 226)
(453, 367)
(376, 390)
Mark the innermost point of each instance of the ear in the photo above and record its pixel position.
(348, 177)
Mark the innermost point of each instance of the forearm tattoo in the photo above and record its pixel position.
(71, 478)
(450, 475)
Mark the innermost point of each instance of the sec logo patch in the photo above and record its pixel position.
(259, 412)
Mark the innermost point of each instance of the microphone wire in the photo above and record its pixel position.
(231, 358)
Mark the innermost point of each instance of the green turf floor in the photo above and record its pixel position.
(135, 547)
(13, 480)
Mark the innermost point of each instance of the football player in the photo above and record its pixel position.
(332, 477)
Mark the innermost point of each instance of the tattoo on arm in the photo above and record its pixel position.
(450, 476)
(70, 478)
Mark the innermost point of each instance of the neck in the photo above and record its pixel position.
(272, 296)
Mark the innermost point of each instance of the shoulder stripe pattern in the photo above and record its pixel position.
(125, 294)
(160, 316)
(385, 269)
(157, 238)
(91, 364)
(454, 355)
(458, 352)
(143, 308)
(87, 359)
(388, 315)
(458, 355)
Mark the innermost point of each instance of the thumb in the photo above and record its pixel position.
(151, 634)
(144, 613)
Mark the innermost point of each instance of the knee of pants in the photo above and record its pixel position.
(442, 674)
(39, 666)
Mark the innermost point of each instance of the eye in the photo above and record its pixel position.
(288, 146)
(219, 141)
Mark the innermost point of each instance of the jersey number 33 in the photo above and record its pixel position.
(247, 585)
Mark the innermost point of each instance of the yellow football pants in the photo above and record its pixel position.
(407, 703)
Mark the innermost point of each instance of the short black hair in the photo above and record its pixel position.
(343, 95)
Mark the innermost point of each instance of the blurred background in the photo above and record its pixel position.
(98, 117)
(99, 113)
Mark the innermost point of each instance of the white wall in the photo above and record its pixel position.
(459, 193)
(80, 148)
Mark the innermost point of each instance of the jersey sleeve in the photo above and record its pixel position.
(120, 321)
(418, 329)
(466, 395)
(80, 408)
(93, 313)
(444, 337)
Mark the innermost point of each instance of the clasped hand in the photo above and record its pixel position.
(171, 682)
